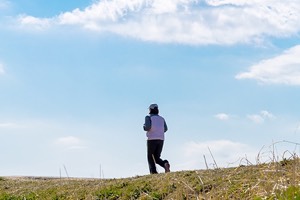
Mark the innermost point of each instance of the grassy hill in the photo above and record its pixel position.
(276, 180)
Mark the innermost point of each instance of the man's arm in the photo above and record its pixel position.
(166, 127)
(147, 125)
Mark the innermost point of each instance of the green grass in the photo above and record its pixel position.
(280, 180)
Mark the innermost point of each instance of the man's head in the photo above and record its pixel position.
(153, 109)
(152, 106)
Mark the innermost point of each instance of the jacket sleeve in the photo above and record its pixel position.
(166, 127)
(147, 125)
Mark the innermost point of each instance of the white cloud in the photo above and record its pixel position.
(282, 69)
(70, 142)
(228, 2)
(258, 119)
(25, 126)
(34, 22)
(7, 125)
(184, 21)
(222, 116)
(267, 115)
(2, 71)
(261, 117)
(224, 152)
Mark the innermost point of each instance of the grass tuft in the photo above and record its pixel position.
(264, 181)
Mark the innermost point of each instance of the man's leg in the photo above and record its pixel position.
(151, 146)
(163, 163)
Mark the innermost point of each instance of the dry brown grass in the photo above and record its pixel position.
(272, 180)
(278, 180)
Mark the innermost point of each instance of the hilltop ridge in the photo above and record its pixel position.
(275, 180)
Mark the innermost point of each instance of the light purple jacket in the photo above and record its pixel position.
(156, 126)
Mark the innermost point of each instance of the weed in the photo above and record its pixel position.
(268, 181)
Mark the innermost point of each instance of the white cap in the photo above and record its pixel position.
(152, 106)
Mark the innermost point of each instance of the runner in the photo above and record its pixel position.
(156, 126)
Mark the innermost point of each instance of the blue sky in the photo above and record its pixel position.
(77, 77)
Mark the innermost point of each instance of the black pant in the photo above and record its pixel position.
(154, 149)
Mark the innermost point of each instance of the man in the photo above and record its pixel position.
(156, 126)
